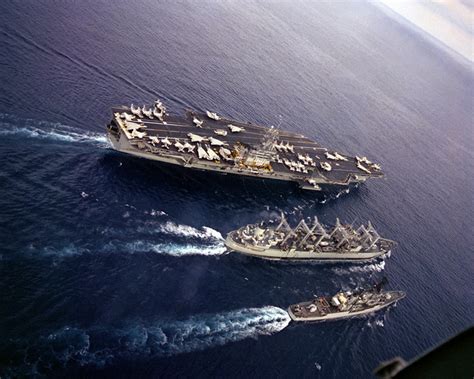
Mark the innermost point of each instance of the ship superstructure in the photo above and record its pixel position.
(344, 305)
(311, 241)
(210, 142)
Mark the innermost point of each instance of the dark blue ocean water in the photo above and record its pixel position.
(114, 266)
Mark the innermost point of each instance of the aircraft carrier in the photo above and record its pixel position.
(209, 142)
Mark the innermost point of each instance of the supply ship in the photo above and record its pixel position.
(344, 305)
(310, 241)
(210, 142)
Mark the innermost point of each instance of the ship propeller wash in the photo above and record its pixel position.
(344, 305)
(234, 148)
(309, 242)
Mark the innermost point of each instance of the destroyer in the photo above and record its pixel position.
(309, 242)
(344, 305)
(210, 142)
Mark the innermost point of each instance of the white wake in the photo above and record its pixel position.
(188, 231)
(175, 249)
(373, 267)
(187, 241)
(101, 345)
(28, 128)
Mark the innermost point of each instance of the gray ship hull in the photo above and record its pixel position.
(395, 296)
(343, 174)
(123, 145)
(297, 255)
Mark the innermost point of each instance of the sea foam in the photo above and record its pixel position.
(101, 345)
(28, 128)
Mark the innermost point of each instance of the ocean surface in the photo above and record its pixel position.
(112, 266)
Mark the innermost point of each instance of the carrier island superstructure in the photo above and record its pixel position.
(209, 142)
